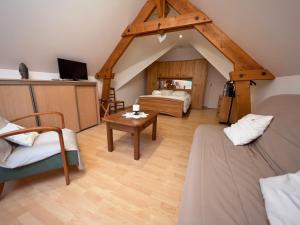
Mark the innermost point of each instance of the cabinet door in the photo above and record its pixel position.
(199, 83)
(87, 106)
(59, 98)
(164, 70)
(187, 69)
(175, 69)
(223, 108)
(152, 81)
(16, 101)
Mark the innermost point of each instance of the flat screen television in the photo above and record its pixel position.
(72, 70)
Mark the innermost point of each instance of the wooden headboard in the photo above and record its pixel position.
(195, 70)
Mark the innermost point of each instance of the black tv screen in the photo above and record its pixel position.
(72, 70)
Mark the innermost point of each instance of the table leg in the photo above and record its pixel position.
(110, 139)
(154, 128)
(136, 143)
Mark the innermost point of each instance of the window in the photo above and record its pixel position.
(175, 84)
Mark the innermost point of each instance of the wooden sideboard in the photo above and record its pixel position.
(77, 100)
(188, 69)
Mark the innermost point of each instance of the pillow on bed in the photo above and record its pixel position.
(166, 92)
(248, 128)
(281, 195)
(156, 92)
(179, 93)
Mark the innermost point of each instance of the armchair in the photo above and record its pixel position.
(61, 160)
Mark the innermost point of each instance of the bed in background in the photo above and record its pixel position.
(173, 103)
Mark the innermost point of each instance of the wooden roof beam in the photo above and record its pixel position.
(106, 70)
(160, 8)
(240, 59)
(245, 75)
(168, 23)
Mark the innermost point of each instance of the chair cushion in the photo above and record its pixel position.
(5, 150)
(3, 122)
(26, 139)
(46, 145)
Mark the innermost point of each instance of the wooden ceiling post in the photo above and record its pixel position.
(160, 8)
(243, 98)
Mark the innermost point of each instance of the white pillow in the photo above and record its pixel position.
(156, 92)
(166, 92)
(5, 150)
(25, 139)
(179, 93)
(247, 128)
(282, 198)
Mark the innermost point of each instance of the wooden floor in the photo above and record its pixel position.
(114, 189)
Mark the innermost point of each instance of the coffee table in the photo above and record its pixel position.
(133, 126)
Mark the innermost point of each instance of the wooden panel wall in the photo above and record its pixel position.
(195, 69)
(88, 113)
(60, 99)
(16, 101)
(77, 100)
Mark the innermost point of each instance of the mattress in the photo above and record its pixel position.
(186, 99)
(222, 182)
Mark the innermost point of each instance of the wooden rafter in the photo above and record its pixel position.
(168, 23)
(160, 8)
(251, 75)
(218, 38)
(106, 71)
(240, 59)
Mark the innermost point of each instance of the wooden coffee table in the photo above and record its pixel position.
(133, 126)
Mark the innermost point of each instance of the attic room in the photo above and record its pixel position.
(149, 112)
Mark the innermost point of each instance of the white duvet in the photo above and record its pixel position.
(282, 198)
(186, 99)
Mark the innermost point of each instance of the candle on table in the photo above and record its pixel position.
(136, 108)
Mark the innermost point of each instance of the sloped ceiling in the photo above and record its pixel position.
(268, 30)
(38, 31)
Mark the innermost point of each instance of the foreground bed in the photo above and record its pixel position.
(222, 182)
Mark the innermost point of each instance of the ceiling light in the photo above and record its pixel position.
(162, 37)
(180, 36)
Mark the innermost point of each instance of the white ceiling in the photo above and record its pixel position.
(268, 30)
(38, 31)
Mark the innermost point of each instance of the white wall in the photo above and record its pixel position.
(37, 32)
(213, 55)
(133, 89)
(128, 93)
(33, 75)
(214, 87)
(181, 53)
(281, 85)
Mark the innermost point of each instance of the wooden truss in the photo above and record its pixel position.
(245, 67)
